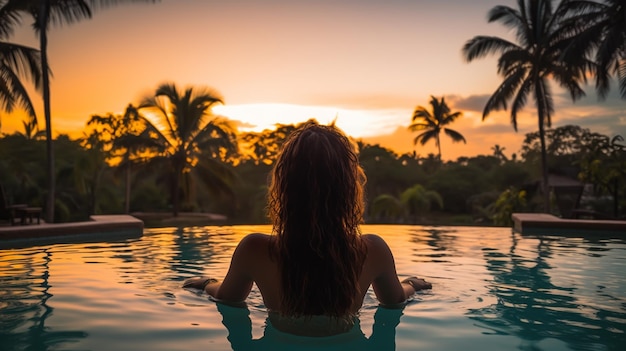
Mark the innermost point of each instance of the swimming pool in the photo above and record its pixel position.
(492, 290)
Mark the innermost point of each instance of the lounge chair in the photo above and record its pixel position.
(15, 212)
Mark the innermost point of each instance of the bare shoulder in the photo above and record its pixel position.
(256, 239)
(374, 239)
(375, 244)
(253, 245)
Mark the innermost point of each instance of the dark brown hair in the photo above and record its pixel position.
(316, 206)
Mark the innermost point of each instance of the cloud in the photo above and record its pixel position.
(471, 103)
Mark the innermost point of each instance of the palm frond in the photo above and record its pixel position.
(454, 135)
(506, 15)
(23, 60)
(504, 92)
(451, 117)
(9, 18)
(415, 127)
(513, 60)
(520, 100)
(481, 46)
(422, 114)
(15, 61)
(425, 137)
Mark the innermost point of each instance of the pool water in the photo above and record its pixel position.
(492, 290)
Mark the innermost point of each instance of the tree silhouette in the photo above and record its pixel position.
(498, 152)
(185, 136)
(45, 12)
(527, 65)
(431, 123)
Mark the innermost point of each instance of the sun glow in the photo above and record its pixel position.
(355, 123)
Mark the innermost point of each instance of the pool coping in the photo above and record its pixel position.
(537, 223)
(99, 226)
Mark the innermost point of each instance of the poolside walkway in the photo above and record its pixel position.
(106, 226)
(542, 223)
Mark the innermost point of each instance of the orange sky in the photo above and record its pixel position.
(366, 62)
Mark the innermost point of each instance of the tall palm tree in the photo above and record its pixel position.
(45, 12)
(16, 61)
(602, 27)
(527, 65)
(186, 136)
(431, 123)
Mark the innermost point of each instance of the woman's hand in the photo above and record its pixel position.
(198, 283)
(417, 283)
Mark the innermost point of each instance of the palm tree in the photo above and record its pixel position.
(16, 61)
(432, 123)
(45, 12)
(31, 130)
(498, 152)
(186, 136)
(603, 32)
(120, 134)
(527, 65)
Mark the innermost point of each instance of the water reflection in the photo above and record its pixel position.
(441, 243)
(24, 308)
(530, 306)
(239, 325)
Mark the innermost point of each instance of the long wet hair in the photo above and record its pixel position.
(316, 205)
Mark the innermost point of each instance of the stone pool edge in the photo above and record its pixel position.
(536, 223)
(99, 226)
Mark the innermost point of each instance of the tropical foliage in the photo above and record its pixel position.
(509, 202)
(16, 62)
(601, 28)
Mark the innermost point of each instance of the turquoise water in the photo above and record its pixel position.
(492, 290)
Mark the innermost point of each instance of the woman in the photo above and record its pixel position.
(314, 271)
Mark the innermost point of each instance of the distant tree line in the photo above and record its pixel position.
(114, 169)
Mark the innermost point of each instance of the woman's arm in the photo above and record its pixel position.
(238, 281)
(387, 287)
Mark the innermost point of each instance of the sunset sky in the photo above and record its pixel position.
(368, 63)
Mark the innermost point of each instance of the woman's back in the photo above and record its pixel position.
(316, 263)
(253, 260)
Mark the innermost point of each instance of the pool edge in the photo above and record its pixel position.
(537, 223)
(102, 226)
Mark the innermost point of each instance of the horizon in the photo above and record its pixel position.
(367, 64)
